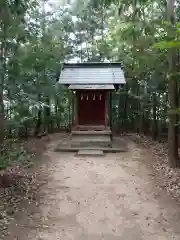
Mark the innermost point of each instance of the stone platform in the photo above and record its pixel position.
(70, 143)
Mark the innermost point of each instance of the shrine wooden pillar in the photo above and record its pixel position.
(70, 111)
(75, 109)
(72, 104)
(105, 110)
(110, 110)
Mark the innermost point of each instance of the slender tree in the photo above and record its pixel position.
(172, 88)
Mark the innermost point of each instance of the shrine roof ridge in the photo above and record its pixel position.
(93, 65)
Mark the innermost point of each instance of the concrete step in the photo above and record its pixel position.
(91, 127)
(91, 138)
(90, 153)
(93, 144)
(92, 132)
(91, 141)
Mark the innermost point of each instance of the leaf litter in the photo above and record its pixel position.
(18, 182)
(167, 178)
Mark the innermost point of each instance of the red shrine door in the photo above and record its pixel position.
(92, 107)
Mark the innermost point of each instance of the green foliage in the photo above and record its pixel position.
(12, 153)
(33, 43)
(167, 44)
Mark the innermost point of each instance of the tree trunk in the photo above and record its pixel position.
(165, 114)
(39, 115)
(38, 123)
(172, 90)
(141, 122)
(57, 113)
(126, 107)
(47, 113)
(2, 78)
(137, 108)
(154, 123)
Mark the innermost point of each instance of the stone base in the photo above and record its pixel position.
(117, 145)
(61, 148)
(91, 139)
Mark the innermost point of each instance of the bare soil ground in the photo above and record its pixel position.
(110, 197)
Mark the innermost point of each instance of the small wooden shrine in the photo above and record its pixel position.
(92, 85)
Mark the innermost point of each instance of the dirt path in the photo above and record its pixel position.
(111, 197)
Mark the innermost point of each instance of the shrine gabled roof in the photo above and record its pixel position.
(92, 73)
